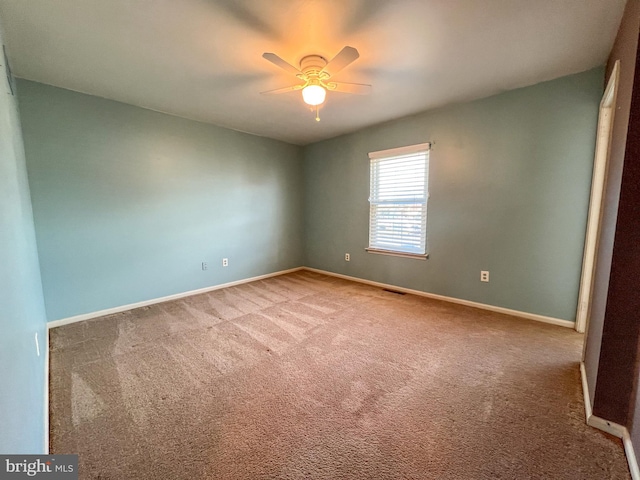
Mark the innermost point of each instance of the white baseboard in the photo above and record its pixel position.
(124, 308)
(592, 420)
(613, 428)
(46, 394)
(468, 303)
(131, 306)
(631, 455)
(585, 392)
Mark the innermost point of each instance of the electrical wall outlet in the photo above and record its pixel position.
(347, 257)
(225, 262)
(204, 265)
(484, 276)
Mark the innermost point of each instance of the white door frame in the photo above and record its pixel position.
(600, 163)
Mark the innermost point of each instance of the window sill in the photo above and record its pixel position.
(417, 256)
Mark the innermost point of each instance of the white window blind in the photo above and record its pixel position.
(398, 200)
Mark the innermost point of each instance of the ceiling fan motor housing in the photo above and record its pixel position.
(312, 65)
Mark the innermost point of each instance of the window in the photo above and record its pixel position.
(398, 201)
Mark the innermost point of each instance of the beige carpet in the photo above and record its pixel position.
(305, 376)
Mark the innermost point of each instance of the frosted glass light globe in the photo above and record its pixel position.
(313, 95)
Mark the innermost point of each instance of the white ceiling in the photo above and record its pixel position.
(201, 59)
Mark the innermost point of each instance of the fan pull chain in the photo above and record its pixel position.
(317, 114)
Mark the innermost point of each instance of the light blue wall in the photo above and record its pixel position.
(21, 304)
(129, 202)
(509, 180)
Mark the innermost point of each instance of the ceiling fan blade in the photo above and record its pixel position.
(357, 88)
(292, 88)
(276, 60)
(341, 60)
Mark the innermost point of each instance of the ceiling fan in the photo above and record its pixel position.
(316, 72)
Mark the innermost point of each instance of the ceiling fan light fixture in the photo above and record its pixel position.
(315, 72)
(314, 95)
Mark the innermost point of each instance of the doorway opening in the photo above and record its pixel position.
(599, 178)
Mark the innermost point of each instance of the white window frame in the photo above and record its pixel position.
(376, 159)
